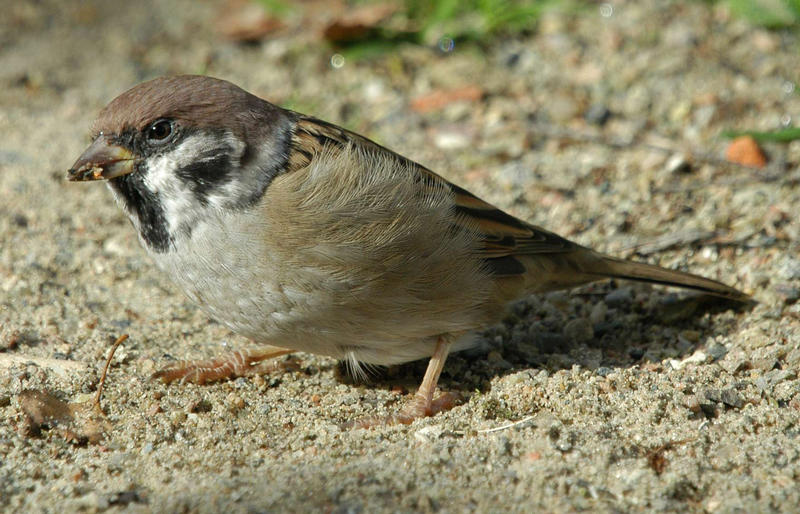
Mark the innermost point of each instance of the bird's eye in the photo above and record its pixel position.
(159, 131)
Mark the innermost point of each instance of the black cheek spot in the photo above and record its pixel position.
(207, 173)
(145, 205)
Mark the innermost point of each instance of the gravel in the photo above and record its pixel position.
(613, 397)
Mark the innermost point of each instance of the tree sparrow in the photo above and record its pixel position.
(298, 233)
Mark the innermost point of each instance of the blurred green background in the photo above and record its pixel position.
(423, 21)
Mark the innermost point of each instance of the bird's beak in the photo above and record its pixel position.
(102, 160)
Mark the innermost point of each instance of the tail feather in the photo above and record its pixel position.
(630, 270)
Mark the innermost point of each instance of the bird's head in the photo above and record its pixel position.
(175, 149)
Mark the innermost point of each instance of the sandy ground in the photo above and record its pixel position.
(627, 397)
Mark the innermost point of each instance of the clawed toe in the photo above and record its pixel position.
(423, 404)
(414, 410)
(231, 365)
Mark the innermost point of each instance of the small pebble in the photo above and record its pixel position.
(779, 375)
(177, 417)
(678, 164)
(691, 335)
(503, 445)
(20, 220)
(598, 314)
(735, 365)
(716, 351)
(787, 292)
(579, 330)
(603, 371)
(697, 357)
(636, 353)
(765, 364)
(234, 402)
(597, 114)
(792, 359)
(789, 269)
(731, 398)
(428, 434)
(92, 502)
(561, 108)
(199, 406)
(619, 297)
(766, 381)
(550, 342)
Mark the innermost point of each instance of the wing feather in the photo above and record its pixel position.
(502, 236)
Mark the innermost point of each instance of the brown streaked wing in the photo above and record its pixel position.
(502, 236)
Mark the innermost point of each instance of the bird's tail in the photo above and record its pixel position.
(630, 270)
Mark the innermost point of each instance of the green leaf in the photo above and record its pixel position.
(778, 136)
(276, 7)
(767, 13)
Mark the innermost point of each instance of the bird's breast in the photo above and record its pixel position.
(230, 274)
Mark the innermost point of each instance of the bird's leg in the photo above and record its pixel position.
(423, 404)
(227, 366)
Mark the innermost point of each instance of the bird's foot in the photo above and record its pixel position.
(423, 403)
(420, 407)
(231, 365)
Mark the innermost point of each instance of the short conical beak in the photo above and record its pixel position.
(102, 160)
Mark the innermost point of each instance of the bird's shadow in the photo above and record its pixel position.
(600, 327)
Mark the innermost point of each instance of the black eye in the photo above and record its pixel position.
(159, 131)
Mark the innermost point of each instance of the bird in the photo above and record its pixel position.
(304, 236)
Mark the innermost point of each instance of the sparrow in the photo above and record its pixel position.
(303, 236)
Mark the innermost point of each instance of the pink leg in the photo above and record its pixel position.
(423, 404)
(231, 365)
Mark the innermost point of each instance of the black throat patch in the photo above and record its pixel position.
(146, 206)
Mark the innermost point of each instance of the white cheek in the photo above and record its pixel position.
(161, 177)
(233, 189)
(180, 204)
